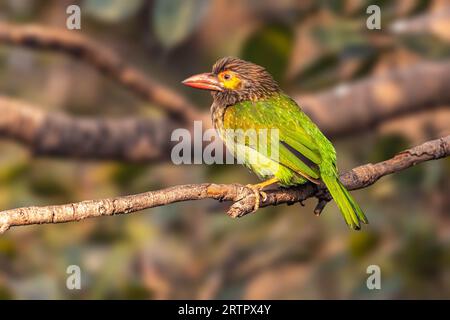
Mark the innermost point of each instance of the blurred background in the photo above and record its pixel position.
(193, 250)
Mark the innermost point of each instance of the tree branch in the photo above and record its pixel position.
(242, 197)
(366, 103)
(103, 59)
(357, 107)
(350, 108)
(57, 134)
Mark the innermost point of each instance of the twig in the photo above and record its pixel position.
(242, 197)
(102, 58)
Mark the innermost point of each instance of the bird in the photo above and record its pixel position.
(246, 98)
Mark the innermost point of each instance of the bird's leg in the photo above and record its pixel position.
(257, 190)
(323, 197)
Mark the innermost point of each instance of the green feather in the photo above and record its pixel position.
(303, 150)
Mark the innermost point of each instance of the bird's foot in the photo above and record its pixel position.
(323, 197)
(256, 189)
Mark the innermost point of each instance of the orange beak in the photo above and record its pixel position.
(205, 81)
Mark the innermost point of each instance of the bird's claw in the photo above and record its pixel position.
(258, 195)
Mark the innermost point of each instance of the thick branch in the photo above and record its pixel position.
(242, 197)
(102, 58)
(56, 134)
(366, 103)
(357, 107)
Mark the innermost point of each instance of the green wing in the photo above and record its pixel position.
(302, 147)
(298, 148)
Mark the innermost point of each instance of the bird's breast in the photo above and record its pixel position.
(217, 117)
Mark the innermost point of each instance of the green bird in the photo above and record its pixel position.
(247, 99)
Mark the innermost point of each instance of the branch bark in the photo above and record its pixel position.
(364, 104)
(103, 59)
(347, 110)
(57, 134)
(242, 197)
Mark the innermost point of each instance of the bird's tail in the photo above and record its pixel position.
(351, 211)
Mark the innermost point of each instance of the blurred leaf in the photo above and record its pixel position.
(112, 275)
(50, 187)
(37, 286)
(361, 243)
(340, 35)
(23, 11)
(107, 233)
(367, 64)
(319, 73)
(136, 291)
(428, 46)
(421, 253)
(336, 6)
(175, 20)
(388, 146)
(12, 172)
(321, 64)
(7, 247)
(111, 11)
(385, 5)
(5, 293)
(270, 47)
(127, 173)
(344, 54)
(411, 178)
(420, 6)
(434, 173)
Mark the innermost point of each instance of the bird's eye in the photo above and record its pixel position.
(227, 76)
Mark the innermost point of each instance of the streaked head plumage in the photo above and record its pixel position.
(233, 80)
(242, 80)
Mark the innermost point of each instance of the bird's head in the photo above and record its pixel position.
(233, 80)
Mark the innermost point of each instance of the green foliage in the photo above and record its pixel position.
(362, 243)
(426, 45)
(5, 294)
(49, 187)
(420, 6)
(136, 292)
(125, 173)
(7, 248)
(175, 20)
(271, 47)
(111, 11)
(387, 146)
(320, 73)
(13, 171)
(422, 254)
(342, 34)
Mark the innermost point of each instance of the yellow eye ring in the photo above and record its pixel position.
(225, 76)
(230, 80)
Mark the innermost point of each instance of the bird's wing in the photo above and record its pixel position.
(297, 149)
